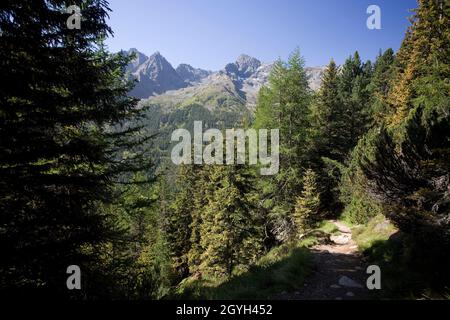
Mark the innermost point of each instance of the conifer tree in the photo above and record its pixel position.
(353, 83)
(328, 127)
(201, 193)
(284, 105)
(62, 116)
(307, 204)
(380, 84)
(146, 273)
(179, 221)
(230, 233)
(423, 51)
(406, 162)
(327, 117)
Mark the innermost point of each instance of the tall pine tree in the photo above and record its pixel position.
(284, 105)
(353, 92)
(180, 220)
(327, 117)
(379, 84)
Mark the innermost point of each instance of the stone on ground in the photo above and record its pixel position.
(350, 294)
(347, 282)
(342, 238)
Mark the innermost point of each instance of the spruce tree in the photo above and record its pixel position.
(230, 233)
(326, 143)
(380, 84)
(179, 221)
(62, 112)
(353, 92)
(307, 204)
(327, 117)
(201, 195)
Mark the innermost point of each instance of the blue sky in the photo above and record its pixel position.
(211, 33)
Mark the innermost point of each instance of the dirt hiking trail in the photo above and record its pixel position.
(338, 272)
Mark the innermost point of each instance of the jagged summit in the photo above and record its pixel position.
(190, 74)
(154, 65)
(243, 67)
(156, 75)
(139, 59)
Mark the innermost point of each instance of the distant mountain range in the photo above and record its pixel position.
(176, 97)
(239, 81)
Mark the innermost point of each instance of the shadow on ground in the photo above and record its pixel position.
(263, 281)
(323, 282)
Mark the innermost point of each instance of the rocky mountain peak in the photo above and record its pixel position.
(245, 62)
(155, 75)
(139, 59)
(155, 64)
(244, 67)
(190, 74)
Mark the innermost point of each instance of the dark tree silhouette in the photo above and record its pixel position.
(63, 126)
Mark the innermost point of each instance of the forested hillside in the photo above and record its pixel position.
(85, 179)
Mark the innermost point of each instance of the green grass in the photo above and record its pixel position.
(373, 239)
(327, 227)
(282, 269)
(377, 229)
(403, 275)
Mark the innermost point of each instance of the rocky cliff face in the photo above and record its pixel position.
(243, 68)
(139, 59)
(155, 75)
(191, 75)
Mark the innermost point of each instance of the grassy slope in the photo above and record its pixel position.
(281, 269)
(385, 246)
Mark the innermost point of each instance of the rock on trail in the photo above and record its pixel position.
(342, 238)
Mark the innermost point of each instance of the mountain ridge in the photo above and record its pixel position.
(157, 77)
